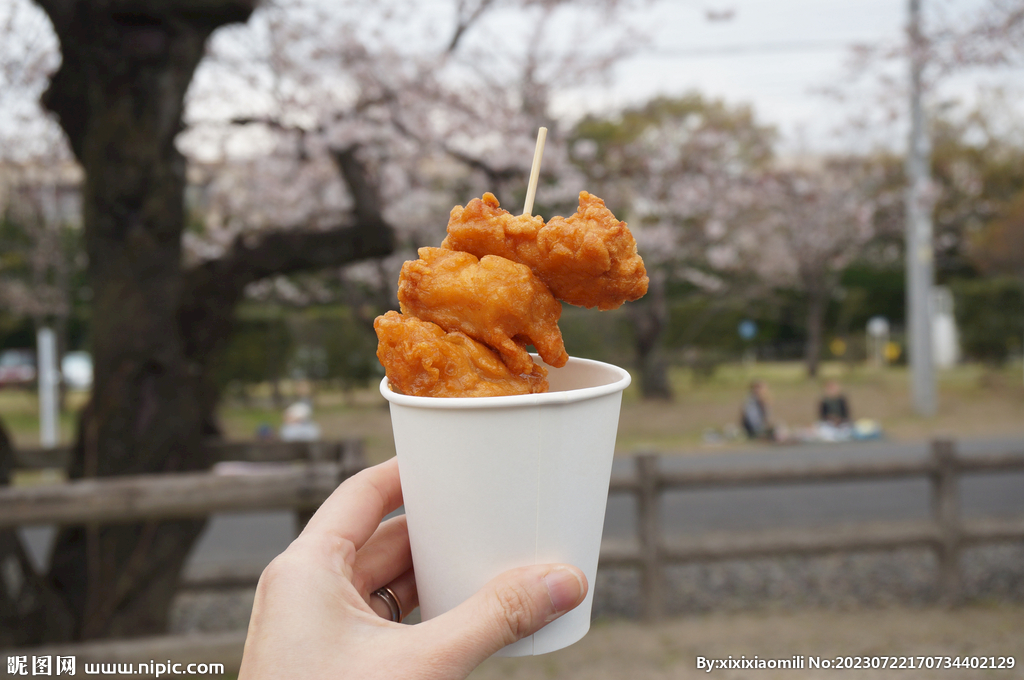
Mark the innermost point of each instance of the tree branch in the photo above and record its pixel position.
(288, 252)
(361, 185)
(464, 22)
(212, 289)
(497, 177)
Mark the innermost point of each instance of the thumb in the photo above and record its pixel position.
(512, 606)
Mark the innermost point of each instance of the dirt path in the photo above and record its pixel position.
(625, 649)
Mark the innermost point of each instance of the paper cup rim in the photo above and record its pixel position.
(511, 401)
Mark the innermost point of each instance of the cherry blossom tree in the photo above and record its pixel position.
(999, 248)
(683, 172)
(346, 123)
(444, 114)
(36, 176)
(960, 45)
(809, 226)
(436, 118)
(118, 95)
(30, 52)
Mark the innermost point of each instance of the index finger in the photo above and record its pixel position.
(355, 509)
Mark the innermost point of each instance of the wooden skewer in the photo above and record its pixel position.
(538, 153)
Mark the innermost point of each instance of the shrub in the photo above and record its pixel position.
(990, 316)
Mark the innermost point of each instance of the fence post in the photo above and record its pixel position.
(320, 452)
(352, 457)
(946, 512)
(649, 519)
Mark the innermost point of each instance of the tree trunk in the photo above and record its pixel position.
(649, 319)
(155, 327)
(119, 96)
(29, 607)
(816, 305)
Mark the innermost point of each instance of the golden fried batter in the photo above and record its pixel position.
(422, 360)
(588, 259)
(493, 300)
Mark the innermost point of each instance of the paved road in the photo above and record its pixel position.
(792, 506)
(254, 539)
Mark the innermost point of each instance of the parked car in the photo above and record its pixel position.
(17, 367)
(76, 369)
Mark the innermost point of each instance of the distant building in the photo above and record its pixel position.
(945, 336)
(47, 192)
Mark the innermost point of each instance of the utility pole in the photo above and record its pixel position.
(47, 377)
(919, 246)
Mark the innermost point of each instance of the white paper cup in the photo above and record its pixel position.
(493, 483)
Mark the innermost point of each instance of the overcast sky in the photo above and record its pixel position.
(773, 54)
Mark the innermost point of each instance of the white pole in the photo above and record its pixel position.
(46, 351)
(920, 251)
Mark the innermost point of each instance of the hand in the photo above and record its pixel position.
(314, 616)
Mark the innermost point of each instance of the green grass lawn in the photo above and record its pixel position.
(974, 401)
(19, 409)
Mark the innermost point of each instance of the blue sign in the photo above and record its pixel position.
(747, 329)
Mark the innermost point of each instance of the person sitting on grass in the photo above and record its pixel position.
(754, 416)
(833, 408)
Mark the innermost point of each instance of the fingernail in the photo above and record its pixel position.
(565, 588)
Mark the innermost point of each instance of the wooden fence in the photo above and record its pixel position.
(296, 476)
(947, 532)
(292, 476)
(306, 474)
(251, 451)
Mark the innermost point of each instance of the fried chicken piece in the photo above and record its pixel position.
(588, 259)
(423, 361)
(493, 300)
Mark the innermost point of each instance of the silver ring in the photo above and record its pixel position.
(391, 600)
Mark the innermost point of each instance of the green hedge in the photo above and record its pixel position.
(990, 316)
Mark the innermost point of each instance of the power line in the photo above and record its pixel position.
(757, 48)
